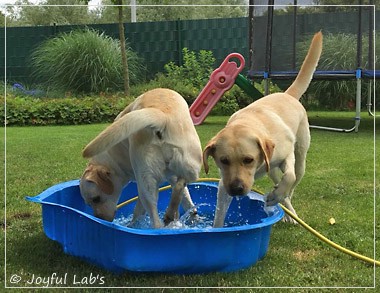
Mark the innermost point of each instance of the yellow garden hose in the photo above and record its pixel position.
(301, 222)
(328, 241)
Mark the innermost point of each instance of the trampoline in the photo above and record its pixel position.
(263, 69)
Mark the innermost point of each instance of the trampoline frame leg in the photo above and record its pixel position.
(357, 112)
(369, 99)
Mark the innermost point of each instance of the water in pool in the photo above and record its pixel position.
(204, 218)
(186, 221)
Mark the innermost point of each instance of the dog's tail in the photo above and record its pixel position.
(303, 79)
(123, 128)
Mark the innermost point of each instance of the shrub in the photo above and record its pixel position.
(187, 79)
(196, 68)
(84, 61)
(190, 78)
(26, 111)
(228, 104)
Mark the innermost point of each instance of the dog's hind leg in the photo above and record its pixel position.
(300, 152)
(138, 211)
(301, 148)
(187, 203)
(299, 169)
(172, 212)
(148, 195)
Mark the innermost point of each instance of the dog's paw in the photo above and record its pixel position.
(289, 219)
(170, 216)
(272, 199)
(168, 220)
(193, 212)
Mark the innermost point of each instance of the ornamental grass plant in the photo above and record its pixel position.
(84, 61)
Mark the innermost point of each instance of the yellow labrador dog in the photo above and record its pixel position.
(270, 135)
(151, 141)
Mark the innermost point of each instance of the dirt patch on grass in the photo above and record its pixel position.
(306, 255)
(15, 217)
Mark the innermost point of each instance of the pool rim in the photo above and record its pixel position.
(269, 221)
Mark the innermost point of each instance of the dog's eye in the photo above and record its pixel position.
(225, 161)
(159, 134)
(96, 199)
(247, 160)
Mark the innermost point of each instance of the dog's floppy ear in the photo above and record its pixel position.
(209, 150)
(101, 176)
(267, 147)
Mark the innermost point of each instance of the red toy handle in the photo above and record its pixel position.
(221, 80)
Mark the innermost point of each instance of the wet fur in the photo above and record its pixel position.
(272, 136)
(148, 142)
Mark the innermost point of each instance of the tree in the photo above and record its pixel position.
(2, 20)
(194, 10)
(325, 6)
(119, 4)
(106, 13)
(48, 13)
(163, 10)
(342, 5)
(26, 13)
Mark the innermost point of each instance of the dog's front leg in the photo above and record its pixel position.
(282, 189)
(176, 198)
(223, 202)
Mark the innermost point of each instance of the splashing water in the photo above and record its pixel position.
(205, 216)
(187, 221)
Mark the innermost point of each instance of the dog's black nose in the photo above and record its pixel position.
(237, 187)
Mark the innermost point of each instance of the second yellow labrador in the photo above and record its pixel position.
(270, 135)
(153, 140)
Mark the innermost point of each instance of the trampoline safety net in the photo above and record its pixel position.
(290, 34)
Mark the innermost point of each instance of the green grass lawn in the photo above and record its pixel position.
(339, 183)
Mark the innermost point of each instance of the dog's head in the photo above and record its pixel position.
(98, 190)
(238, 153)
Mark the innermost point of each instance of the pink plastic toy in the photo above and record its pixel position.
(221, 80)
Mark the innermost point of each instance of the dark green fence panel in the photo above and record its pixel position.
(222, 37)
(156, 42)
(160, 42)
(20, 42)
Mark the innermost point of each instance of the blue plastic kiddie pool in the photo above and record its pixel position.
(241, 243)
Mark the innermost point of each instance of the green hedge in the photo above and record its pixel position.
(24, 110)
(27, 111)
